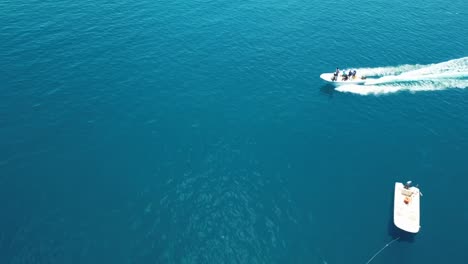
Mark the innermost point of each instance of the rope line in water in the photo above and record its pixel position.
(378, 252)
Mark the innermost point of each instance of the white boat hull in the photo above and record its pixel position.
(406, 211)
(328, 77)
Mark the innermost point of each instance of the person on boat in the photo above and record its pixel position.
(407, 200)
(335, 75)
(344, 76)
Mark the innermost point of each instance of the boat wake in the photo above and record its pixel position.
(413, 78)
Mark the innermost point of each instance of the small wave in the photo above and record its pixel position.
(413, 78)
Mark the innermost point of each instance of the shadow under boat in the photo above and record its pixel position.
(328, 90)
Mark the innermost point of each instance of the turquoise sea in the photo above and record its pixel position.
(200, 131)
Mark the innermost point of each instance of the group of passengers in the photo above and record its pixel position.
(344, 77)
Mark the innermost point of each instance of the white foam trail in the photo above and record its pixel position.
(412, 87)
(451, 66)
(413, 78)
(385, 71)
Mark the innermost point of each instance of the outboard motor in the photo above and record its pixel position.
(408, 184)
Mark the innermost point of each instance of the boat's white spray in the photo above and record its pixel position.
(413, 78)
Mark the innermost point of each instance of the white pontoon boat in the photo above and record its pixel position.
(406, 211)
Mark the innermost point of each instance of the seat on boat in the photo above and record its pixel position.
(406, 192)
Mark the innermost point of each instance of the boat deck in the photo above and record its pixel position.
(353, 80)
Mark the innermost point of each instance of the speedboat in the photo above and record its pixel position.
(329, 77)
(406, 207)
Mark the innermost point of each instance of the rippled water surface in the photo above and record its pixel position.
(200, 131)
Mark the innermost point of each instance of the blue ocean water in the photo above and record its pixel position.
(200, 131)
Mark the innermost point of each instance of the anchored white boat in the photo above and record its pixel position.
(329, 77)
(406, 211)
